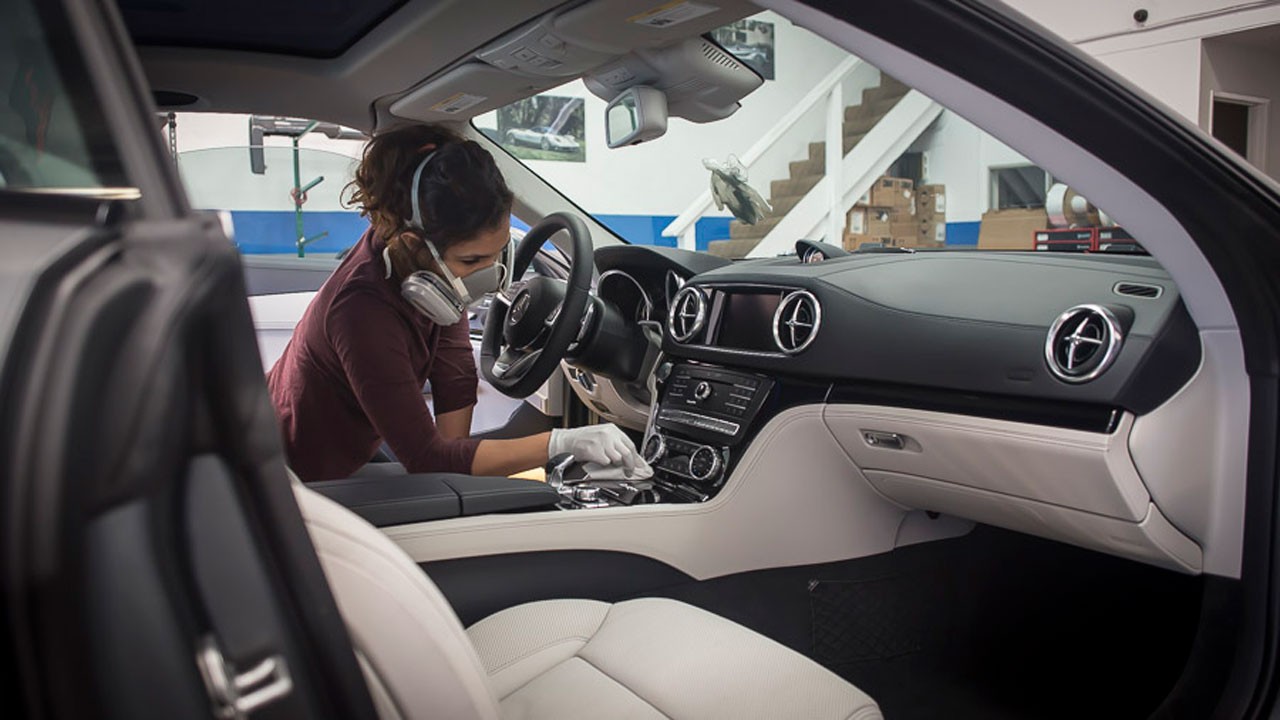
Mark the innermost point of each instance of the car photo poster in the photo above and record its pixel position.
(544, 127)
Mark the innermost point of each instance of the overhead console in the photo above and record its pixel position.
(621, 43)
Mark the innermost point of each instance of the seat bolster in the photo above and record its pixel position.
(651, 658)
(520, 643)
(402, 627)
(687, 662)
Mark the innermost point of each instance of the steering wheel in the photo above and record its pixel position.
(531, 325)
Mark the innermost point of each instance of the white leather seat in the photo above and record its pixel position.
(562, 659)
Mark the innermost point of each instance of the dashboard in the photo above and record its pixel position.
(1023, 390)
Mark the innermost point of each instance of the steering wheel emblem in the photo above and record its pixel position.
(520, 307)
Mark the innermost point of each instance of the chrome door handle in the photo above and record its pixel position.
(885, 440)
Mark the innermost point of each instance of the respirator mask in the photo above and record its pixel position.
(444, 298)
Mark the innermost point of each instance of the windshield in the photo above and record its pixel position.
(911, 174)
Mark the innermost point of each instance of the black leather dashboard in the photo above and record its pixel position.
(963, 321)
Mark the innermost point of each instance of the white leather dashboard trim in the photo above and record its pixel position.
(1073, 468)
(1192, 451)
(810, 489)
(1153, 540)
(794, 499)
(1070, 485)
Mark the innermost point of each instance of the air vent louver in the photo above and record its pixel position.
(688, 313)
(1142, 290)
(1082, 343)
(718, 56)
(796, 321)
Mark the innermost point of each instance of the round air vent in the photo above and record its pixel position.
(1082, 343)
(796, 321)
(688, 313)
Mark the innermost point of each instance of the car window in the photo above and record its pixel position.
(914, 175)
(290, 205)
(52, 136)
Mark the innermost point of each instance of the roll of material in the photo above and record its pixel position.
(1068, 209)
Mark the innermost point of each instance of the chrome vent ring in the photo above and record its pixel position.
(1083, 342)
(796, 321)
(688, 313)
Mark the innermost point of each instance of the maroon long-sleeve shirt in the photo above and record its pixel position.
(352, 376)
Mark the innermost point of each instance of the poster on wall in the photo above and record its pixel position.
(751, 41)
(544, 127)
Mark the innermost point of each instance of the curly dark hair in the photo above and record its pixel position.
(461, 191)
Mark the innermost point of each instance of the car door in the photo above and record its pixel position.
(155, 564)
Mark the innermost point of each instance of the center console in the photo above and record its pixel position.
(697, 427)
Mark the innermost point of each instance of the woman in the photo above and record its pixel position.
(393, 315)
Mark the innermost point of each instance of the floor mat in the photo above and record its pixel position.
(995, 624)
(864, 620)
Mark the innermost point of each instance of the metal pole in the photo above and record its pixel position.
(834, 165)
(297, 201)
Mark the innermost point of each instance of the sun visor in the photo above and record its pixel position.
(620, 26)
(466, 91)
(702, 82)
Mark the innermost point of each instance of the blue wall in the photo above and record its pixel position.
(647, 229)
(262, 232)
(272, 232)
(962, 233)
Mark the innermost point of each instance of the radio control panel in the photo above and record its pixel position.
(711, 404)
(702, 414)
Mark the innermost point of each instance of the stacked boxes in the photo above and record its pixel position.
(890, 216)
(931, 215)
(1012, 229)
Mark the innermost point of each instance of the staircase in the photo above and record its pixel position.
(876, 102)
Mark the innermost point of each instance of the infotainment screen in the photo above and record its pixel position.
(746, 320)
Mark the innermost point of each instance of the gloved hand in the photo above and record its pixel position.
(602, 444)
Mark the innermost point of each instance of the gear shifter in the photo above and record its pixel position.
(556, 468)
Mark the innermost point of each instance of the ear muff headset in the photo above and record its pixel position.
(444, 300)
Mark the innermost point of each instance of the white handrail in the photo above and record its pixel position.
(869, 158)
(690, 216)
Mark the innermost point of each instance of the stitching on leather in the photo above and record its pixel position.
(540, 648)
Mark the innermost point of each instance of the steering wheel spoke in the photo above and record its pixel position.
(514, 363)
(533, 323)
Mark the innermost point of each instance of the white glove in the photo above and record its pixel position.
(602, 444)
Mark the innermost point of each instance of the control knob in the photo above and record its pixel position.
(705, 464)
(702, 391)
(586, 493)
(655, 448)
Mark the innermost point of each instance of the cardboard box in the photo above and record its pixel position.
(931, 200)
(907, 231)
(892, 192)
(932, 233)
(853, 241)
(864, 220)
(855, 221)
(1011, 229)
(878, 221)
(902, 213)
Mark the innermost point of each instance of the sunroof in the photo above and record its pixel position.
(308, 28)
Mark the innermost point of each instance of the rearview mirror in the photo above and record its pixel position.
(637, 114)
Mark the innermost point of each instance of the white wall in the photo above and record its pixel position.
(1168, 72)
(670, 187)
(1245, 69)
(1083, 20)
(960, 156)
